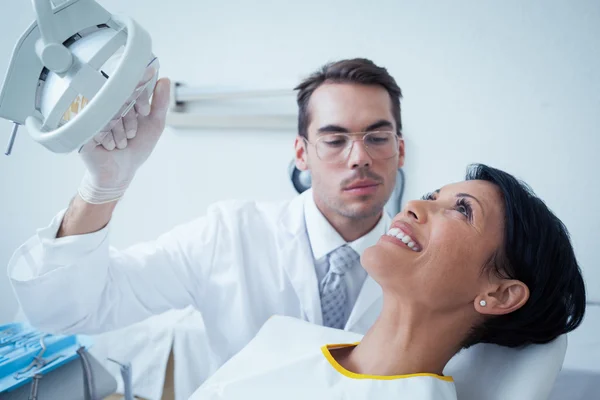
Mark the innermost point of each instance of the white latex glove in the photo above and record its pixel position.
(113, 156)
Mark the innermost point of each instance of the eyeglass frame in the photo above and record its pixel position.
(349, 135)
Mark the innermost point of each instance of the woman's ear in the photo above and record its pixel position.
(502, 298)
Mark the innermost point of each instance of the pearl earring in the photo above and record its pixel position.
(482, 303)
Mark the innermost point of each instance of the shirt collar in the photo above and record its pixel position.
(324, 238)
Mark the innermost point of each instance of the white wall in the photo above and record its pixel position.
(513, 84)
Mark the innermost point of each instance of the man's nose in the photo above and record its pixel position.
(359, 157)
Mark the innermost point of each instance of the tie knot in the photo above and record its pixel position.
(342, 259)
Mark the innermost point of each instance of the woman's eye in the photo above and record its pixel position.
(463, 207)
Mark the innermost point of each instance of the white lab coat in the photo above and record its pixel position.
(238, 265)
(290, 359)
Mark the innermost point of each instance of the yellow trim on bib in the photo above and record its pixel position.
(353, 375)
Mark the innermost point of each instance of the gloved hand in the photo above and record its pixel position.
(113, 156)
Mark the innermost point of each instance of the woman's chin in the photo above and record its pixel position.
(382, 259)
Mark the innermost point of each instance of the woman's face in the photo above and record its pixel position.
(452, 234)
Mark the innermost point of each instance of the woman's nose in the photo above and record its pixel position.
(416, 210)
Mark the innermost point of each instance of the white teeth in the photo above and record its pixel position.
(393, 232)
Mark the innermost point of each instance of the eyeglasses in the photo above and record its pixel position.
(336, 147)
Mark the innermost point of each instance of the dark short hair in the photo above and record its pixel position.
(357, 70)
(537, 251)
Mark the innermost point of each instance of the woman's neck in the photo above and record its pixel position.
(407, 340)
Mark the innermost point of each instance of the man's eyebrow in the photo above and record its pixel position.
(332, 128)
(382, 123)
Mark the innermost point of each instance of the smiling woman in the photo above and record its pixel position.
(479, 261)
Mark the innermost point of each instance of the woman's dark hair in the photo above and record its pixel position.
(536, 251)
(357, 70)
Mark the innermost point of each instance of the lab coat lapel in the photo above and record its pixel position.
(369, 302)
(295, 256)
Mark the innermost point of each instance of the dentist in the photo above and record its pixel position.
(240, 262)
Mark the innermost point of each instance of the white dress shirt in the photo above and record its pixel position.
(324, 239)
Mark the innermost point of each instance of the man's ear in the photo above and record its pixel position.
(502, 298)
(400, 152)
(300, 152)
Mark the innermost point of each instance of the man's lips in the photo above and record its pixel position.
(361, 184)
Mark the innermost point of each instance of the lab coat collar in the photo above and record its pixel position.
(324, 238)
(296, 258)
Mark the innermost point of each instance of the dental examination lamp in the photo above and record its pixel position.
(73, 71)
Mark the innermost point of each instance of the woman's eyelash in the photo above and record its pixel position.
(465, 205)
(428, 196)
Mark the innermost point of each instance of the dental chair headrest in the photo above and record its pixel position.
(503, 373)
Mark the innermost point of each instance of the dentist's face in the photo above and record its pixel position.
(447, 239)
(358, 186)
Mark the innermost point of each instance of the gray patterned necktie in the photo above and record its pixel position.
(333, 287)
